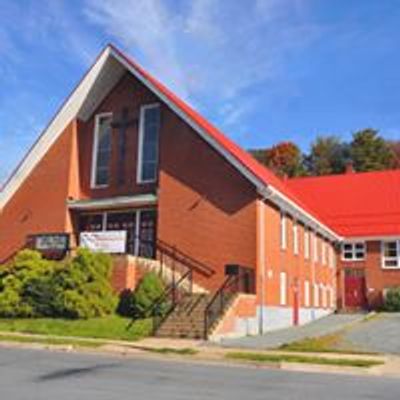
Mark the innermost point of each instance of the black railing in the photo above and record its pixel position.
(171, 297)
(243, 282)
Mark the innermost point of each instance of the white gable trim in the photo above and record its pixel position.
(57, 125)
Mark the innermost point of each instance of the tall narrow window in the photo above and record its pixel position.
(316, 295)
(306, 294)
(283, 288)
(295, 238)
(101, 150)
(283, 231)
(148, 143)
(315, 247)
(323, 251)
(306, 243)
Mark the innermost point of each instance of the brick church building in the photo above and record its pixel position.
(124, 160)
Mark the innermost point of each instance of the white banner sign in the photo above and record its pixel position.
(105, 241)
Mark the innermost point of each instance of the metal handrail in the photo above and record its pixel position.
(222, 297)
(172, 293)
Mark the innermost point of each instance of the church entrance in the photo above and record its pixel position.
(140, 226)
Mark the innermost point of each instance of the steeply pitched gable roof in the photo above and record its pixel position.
(92, 88)
(354, 204)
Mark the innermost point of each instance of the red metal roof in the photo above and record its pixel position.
(354, 204)
(263, 174)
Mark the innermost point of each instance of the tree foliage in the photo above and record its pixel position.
(31, 286)
(367, 151)
(370, 152)
(328, 155)
(285, 159)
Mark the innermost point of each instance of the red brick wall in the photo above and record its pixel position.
(377, 278)
(129, 93)
(206, 208)
(298, 269)
(39, 205)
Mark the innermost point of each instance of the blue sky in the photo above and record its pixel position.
(262, 70)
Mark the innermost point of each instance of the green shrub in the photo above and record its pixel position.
(83, 287)
(148, 292)
(78, 288)
(20, 282)
(392, 300)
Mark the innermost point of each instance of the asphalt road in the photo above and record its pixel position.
(38, 374)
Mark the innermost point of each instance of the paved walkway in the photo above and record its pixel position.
(379, 334)
(323, 326)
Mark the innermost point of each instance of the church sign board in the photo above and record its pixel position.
(51, 245)
(113, 242)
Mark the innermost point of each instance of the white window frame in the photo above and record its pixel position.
(324, 296)
(397, 258)
(323, 251)
(295, 229)
(139, 166)
(306, 243)
(316, 295)
(306, 293)
(283, 227)
(283, 288)
(353, 251)
(315, 247)
(97, 118)
(332, 297)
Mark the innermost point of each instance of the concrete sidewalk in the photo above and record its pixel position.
(191, 351)
(272, 340)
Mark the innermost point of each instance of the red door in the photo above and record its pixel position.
(354, 284)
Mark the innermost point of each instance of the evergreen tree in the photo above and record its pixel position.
(328, 156)
(370, 152)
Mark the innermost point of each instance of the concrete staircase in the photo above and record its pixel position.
(187, 319)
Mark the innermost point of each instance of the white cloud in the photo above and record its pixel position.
(210, 52)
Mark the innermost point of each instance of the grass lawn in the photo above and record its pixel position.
(112, 327)
(324, 344)
(50, 340)
(277, 358)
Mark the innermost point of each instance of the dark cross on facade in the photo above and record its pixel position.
(122, 125)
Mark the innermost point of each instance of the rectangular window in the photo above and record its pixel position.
(306, 294)
(148, 143)
(316, 295)
(295, 238)
(283, 231)
(283, 288)
(332, 298)
(391, 254)
(353, 251)
(332, 256)
(323, 250)
(315, 247)
(324, 296)
(101, 150)
(306, 243)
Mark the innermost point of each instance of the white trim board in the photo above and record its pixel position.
(67, 112)
(113, 202)
(95, 148)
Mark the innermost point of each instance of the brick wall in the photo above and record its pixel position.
(39, 205)
(298, 269)
(206, 208)
(377, 278)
